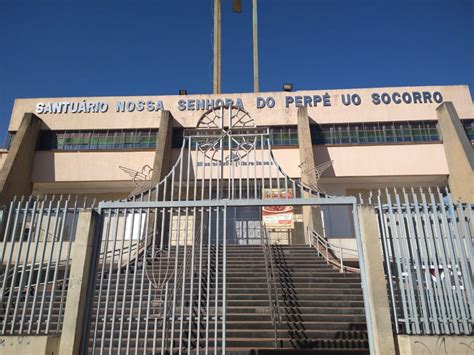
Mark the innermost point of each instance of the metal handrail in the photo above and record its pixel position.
(273, 301)
(333, 254)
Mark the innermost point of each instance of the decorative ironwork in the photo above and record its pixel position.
(311, 174)
(183, 220)
(141, 179)
(225, 128)
(153, 263)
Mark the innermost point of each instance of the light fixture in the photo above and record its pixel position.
(237, 6)
(183, 92)
(287, 87)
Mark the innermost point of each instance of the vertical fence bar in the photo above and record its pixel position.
(9, 261)
(216, 281)
(125, 285)
(224, 282)
(445, 260)
(183, 286)
(452, 261)
(134, 279)
(23, 270)
(420, 238)
(434, 260)
(118, 275)
(144, 262)
(58, 261)
(426, 237)
(208, 282)
(461, 265)
(48, 267)
(105, 248)
(398, 261)
(191, 288)
(413, 255)
(40, 266)
(406, 259)
(388, 265)
(32, 265)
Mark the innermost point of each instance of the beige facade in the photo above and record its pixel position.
(366, 111)
(355, 167)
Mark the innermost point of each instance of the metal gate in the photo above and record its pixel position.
(428, 253)
(161, 271)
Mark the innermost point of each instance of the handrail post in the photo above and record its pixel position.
(327, 253)
(341, 260)
(271, 287)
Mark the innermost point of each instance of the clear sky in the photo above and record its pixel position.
(51, 48)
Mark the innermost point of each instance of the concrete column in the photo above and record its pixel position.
(162, 165)
(376, 287)
(81, 255)
(311, 215)
(459, 153)
(15, 176)
(162, 162)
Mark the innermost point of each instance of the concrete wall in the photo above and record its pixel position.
(15, 345)
(385, 160)
(88, 166)
(427, 345)
(279, 115)
(459, 153)
(15, 175)
(3, 157)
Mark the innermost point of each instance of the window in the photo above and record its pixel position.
(98, 140)
(375, 133)
(469, 128)
(284, 135)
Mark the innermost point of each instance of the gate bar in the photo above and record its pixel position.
(311, 201)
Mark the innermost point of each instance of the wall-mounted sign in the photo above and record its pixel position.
(277, 216)
(261, 102)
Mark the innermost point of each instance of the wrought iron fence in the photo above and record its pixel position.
(160, 284)
(427, 242)
(36, 238)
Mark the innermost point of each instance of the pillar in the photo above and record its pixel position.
(81, 258)
(15, 176)
(459, 153)
(161, 167)
(162, 162)
(311, 215)
(375, 285)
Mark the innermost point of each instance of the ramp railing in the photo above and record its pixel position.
(332, 253)
(273, 301)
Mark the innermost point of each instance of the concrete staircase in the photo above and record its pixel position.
(322, 309)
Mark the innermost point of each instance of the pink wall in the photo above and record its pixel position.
(384, 160)
(349, 161)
